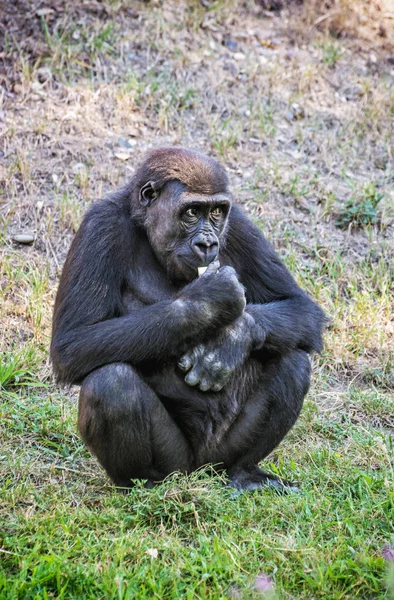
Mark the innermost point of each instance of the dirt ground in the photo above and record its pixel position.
(302, 120)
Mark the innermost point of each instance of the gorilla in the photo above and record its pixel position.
(178, 367)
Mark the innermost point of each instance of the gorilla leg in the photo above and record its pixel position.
(266, 418)
(125, 425)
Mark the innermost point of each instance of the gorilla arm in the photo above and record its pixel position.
(279, 316)
(90, 328)
(210, 365)
(289, 318)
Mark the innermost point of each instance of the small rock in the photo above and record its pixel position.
(134, 57)
(23, 238)
(295, 112)
(124, 143)
(122, 155)
(133, 131)
(353, 92)
(239, 56)
(78, 167)
(36, 87)
(152, 552)
(231, 45)
(44, 12)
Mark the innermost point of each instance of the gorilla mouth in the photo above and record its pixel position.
(192, 262)
(184, 267)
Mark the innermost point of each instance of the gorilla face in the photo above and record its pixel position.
(185, 229)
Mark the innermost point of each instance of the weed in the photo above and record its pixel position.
(78, 48)
(69, 207)
(225, 136)
(262, 120)
(332, 52)
(17, 368)
(361, 211)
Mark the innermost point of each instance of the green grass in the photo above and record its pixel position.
(17, 368)
(331, 52)
(363, 210)
(65, 533)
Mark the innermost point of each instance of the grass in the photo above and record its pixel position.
(361, 211)
(16, 368)
(79, 81)
(332, 53)
(69, 535)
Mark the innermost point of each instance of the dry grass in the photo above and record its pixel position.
(303, 131)
(369, 21)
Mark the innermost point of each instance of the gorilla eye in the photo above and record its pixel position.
(217, 212)
(192, 212)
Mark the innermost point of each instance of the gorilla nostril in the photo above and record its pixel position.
(206, 250)
(204, 247)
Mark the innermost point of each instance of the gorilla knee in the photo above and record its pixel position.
(106, 396)
(108, 380)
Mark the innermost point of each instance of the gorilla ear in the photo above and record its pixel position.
(148, 193)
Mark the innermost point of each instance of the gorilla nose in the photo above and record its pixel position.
(206, 250)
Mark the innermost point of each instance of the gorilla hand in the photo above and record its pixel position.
(216, 298)
(211, 365)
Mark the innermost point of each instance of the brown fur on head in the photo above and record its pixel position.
(200, 173)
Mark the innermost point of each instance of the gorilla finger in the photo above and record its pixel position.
(212, 268)
(204, 385)
(211, 364)
(217, 387)
(198, 351)
(229, 271)
(185, 363)
(192, 378)
(222, 380)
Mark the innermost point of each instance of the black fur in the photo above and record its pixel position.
(177, 370)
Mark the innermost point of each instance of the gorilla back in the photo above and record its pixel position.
(176, 370)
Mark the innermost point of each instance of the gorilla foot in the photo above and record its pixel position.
(256, 479)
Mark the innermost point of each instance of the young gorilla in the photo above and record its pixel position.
(176, 370)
